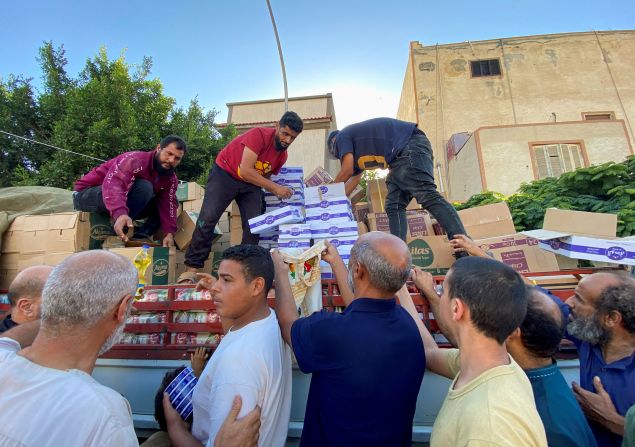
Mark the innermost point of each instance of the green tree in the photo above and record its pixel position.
(19, 116)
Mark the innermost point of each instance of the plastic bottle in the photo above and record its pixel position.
(142, 261)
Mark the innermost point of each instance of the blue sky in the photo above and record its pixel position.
(225, 51)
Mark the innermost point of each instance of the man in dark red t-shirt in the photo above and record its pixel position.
(242, 169)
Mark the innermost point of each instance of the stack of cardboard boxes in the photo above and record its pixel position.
(51, 238)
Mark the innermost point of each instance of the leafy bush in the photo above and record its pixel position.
(605, 188)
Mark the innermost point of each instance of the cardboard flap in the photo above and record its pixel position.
(59, 221)
(602, 225)
(487, 220)
(545, 235)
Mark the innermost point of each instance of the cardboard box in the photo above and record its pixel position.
(376, 191)
(8, 269)
(331, 217)
(210, 266)
(357, 195)
(431, 253)
(189, 191)
(332, 205)
(487, 221)
(343, 244)
(326, 230)
(162, 270)
(413, 205)
(193, 205)
(298, 196)
(295, 231)
(186, 223)
(520, 252)
(419, 223)
(56, 233)
(360, 211)
(269, 221)
(289, 172)
(324, 192)
(303, 244)
(319, 176)
(590, 236)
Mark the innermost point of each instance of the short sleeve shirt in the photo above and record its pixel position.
(261, 141)
(374, 143)
(367, 365)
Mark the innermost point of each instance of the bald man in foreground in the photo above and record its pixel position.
(25, 296)
(367, 362)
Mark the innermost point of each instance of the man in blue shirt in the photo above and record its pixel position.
(602, 325)
(367, 362)
(386, 143)
(533, 346)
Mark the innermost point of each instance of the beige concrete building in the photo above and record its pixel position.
(318, 114)
(529, 106)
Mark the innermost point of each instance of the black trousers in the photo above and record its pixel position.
(220, 190)
(412, 175)
(140, 202)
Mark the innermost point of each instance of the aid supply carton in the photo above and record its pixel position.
(584, 235)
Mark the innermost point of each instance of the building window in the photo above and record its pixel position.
(555, 159)
(598, 116)
(489, 67)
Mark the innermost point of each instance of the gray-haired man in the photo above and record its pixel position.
(368, 361)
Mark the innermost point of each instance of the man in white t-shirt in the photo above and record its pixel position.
(252, 359)
(47, 394)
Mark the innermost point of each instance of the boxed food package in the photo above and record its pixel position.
(520, 252)
(271, 220)
(324, 192)
(431, 253)
(56, 233)
(303, 244)
(289, 172)
(343, 244)
(332, 205)
(584, 235)
(319, 176)
(357, 195)
(487, 221)
(273, 206)
(189, 191)
(360, 211)
(331, 217)
(295, 231)
(325, 268)
(325, 230)
(186, 224)
(376, 195)
(162, 270)
(419, 223)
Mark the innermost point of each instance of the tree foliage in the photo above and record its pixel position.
(111, 107)
(605, 188)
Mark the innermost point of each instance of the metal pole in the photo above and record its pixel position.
(284, 72)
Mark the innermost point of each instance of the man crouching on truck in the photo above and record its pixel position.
(136, 185)
(252, 359)
(368, 361)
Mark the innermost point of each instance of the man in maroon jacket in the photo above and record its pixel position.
(136, 185)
